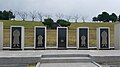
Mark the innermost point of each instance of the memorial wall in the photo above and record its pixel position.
(82, 37)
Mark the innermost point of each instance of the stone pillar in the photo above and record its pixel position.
(39, 37)
(117, 36)
(103, 38)
(1, 35)
(17, 37)
(62, 37)
(82, 37)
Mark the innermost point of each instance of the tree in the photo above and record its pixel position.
(15, 13)
(6, 15)
(11, 16)
(104, 17)
(59, 16)
(100, 18)
(48, 22)
(63, 23)
(76, 17)
(113, 17)
(119, 18)
(40, 16)
(95, 19)
(48, 16)
(33, 15)
(23, 15)
(68, 18)
(1, 16)
(84, 18)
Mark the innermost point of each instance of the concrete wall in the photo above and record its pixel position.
(117, 36)
(1, 35)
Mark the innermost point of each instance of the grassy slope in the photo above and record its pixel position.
(92, 25)
(51, 34)
(26, 24)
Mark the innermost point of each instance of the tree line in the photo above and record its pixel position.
(106, 17)
(103, 17)
(6, 15)
(47, 20)
(23, 15)
(41, 16)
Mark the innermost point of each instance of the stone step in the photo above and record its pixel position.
(65, 59)
(79, 64)
(65, 55)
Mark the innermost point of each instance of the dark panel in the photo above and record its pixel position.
(104, 38)
(16, 37)
(62, 37)
(83, 37)
(40, 38)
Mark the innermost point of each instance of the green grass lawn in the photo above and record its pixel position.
(51, 34)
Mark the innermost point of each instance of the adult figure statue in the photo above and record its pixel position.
(83, 38)
(104, 39)
(40, 40)
(16, 35)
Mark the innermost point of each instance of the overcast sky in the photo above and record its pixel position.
(87, 8)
